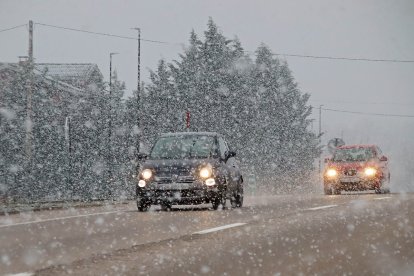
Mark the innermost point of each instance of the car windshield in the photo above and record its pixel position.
(353, 154)
(182, 147)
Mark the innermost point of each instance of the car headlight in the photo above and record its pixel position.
(142, 183)
(331, 173)
(370, 171)
(206, 172)
(210, 182)
(146, 174)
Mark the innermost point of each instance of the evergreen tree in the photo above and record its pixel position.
(161, 104)
(119, 158)
(89, 136)
(258, 106)
(288, 146)
(13, 160)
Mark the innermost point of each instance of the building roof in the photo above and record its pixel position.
(67, 70)
(356, 146)
(10, 66)
(190, 134)
(77, 74)
(39, 74)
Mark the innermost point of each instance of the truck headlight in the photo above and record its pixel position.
(370, 172)
(146, 174)
(331, 173)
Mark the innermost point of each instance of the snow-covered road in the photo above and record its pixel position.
(358, 233)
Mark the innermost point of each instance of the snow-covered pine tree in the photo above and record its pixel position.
(161, 104)
(287, 145)
(13, 159)
(258, 106)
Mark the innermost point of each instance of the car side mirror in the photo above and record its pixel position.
(383, 158)
(142, 156)
(230, 154)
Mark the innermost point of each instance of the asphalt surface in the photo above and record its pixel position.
(351, 234)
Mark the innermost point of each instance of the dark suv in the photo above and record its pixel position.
(189, 168)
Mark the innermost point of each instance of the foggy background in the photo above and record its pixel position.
(353, 29)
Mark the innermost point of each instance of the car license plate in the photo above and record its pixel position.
(177, 195)
(183, 186)
(174, 186)
(164, 187)
(349, 179)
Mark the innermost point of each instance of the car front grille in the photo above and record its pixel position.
(172, 179)
(351, 172)
(174, 175)
(169, 172)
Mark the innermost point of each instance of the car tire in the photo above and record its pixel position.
(382, 189)
(236, 200)
(166, 206)
(337, 191)
(216, 203)
(388, 189)
(219, 199)
(328, 191)
(239, 200)
(143, 205)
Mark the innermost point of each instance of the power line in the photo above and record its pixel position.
(175, 43)
(370, 103)
(339, 58)
(345, 58)
(367, 113)
(102, 34)
(171, 43)
(12, 28)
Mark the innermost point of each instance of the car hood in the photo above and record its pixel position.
(351, 165)
(167, 167)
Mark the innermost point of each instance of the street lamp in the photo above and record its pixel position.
(139, 58)
(138, 82)
(110, 118)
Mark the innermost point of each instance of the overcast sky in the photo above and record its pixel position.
(375, 29)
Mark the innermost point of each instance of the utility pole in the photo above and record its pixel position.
(30, 66)
(320, 140)
(67, 128)
(138, 84)
(31, 41)
(110, 118)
